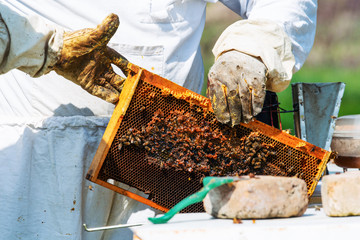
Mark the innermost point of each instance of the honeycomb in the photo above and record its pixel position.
(165, 187)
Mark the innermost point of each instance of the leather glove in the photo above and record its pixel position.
(86, 60)
(236, 87)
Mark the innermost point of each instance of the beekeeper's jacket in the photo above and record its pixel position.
(50, 128)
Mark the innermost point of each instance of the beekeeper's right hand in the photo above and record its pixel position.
(86, 60)
(80, 56)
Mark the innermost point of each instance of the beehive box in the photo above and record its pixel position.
(143, 96)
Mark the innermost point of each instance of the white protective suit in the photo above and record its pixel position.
(50, 128)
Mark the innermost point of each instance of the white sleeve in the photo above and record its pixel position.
(280, 32)
(27, 43)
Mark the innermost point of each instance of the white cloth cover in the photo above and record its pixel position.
(297, 18)
(50, 128)
(28, 43)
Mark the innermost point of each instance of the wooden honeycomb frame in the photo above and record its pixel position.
(166, 189)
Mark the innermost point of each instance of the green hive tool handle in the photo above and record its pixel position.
(209, 183)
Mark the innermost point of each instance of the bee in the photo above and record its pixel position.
(237, 220)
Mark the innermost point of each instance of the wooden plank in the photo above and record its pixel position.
(322, 167)
(176, 90)
(131, 195)
(113, 125)
(287, 139)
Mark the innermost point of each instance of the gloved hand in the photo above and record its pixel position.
(86, 60)
(236, 87)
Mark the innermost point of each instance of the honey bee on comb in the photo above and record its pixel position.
(184, 143)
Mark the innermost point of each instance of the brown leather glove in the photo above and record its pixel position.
(86, 60)
(236, 87)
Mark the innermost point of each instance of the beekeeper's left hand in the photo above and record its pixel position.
(236, 87)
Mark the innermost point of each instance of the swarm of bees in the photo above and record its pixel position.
(182, 142)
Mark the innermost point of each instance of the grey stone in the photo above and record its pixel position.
(340, 194)
(259, 197)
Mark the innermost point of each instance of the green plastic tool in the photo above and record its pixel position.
(208, 182)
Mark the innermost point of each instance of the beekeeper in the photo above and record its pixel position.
(50, 127)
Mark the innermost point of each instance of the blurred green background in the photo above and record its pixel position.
(335, 56)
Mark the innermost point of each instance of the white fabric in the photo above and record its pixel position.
(296, 17)
(178, 26)
(32, 49)
(42, 194)
(50, 128)
(280, 32)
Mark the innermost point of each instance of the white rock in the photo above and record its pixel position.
(340, 194)
(259, 197)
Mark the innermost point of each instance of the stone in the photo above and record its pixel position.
(259, 197)
(340, 194)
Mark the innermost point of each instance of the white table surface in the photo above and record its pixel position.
(314, 224)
